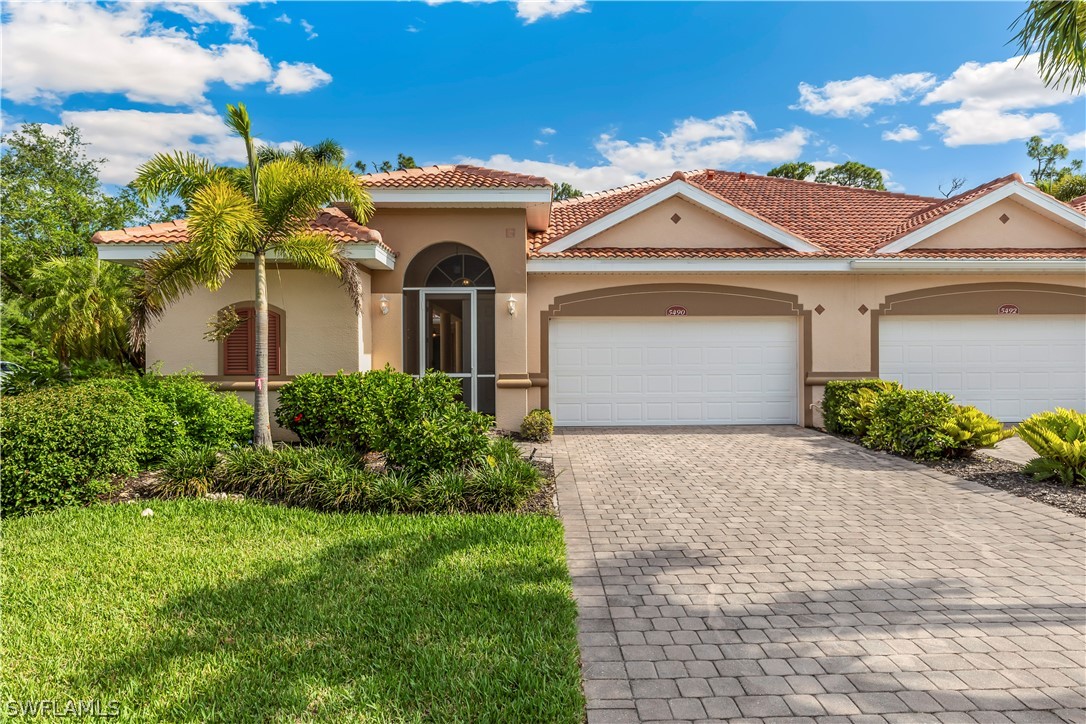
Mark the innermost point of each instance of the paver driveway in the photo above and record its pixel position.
(750, 573)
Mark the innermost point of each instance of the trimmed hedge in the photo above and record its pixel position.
(418, 423)
(538, 426)
(911, 422)
(61, 446)
(839, 405)
(183, 411)
(915, 423)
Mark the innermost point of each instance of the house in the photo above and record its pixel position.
(704, 297)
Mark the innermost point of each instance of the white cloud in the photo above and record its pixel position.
(539, 142)
(547, 131)
(298, 78)
(308, 28)
(968, 125)
(692, 143)
(901, 134)
(210, 13)
(54, 50)
(128, 138)
(992, 99)
(858, 96)
(412, 29)
(532, 10)
(284, 18)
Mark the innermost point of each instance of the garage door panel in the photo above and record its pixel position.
(1010, 367)
(675, 371)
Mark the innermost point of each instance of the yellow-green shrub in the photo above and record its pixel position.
(1059, 439)
(971, 429)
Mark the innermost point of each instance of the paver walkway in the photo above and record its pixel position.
(778, 574)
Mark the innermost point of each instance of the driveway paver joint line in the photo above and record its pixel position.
(765, 572)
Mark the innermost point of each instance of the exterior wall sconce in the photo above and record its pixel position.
(511, 303)
(383, 304)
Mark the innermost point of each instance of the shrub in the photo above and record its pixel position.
(188, 472)
(308, 406)
(394, 492)
(182, 410)
(1059, 439)
(318, 477)
(443, 491)
(971, 429)
(62, 445)
(841, 403)
(503, 481)
(538, 426)
(418, 423)
(911, 422)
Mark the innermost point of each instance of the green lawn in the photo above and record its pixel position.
(246, 612)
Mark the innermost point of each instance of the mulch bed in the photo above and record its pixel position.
(1006, 476)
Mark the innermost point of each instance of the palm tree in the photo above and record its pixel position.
(328, 152)
(81, 309)
(237, 214)
(1057, 30)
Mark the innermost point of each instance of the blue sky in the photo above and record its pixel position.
(595, 93)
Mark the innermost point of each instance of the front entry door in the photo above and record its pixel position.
(448, 339)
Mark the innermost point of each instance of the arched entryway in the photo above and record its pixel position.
(449, 319)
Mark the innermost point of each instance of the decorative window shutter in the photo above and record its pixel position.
(238, 347)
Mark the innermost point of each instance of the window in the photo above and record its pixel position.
(239, 349)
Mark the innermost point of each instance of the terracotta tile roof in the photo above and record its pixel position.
(331, 221)
(1079, 203)
(449, 176)
(842, 220)
(784, 253)
(940, 208)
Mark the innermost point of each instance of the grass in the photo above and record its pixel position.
(247, 612)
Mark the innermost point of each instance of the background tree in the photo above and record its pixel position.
(328, 152)
(1063, 182)
(403, 162)
(53, 201)
(81, 309)
(563, 191)
(798, 170)
(852, 173)
(955, 184)
(1056, 30)
(262, 209)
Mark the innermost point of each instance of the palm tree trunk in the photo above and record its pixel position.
(261, 417)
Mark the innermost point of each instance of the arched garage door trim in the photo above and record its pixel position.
(652, 300)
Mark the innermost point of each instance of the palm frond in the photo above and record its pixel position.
(223, 223)
(178, 173)
(310, 250)
(1056, 30)
(352, 278)
(81, 306)
(163, 279)
(294, 193)
(237, 118)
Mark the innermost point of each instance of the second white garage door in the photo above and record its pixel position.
(1009, 367)
(673, 371)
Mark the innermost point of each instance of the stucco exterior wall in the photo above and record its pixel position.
(841, 336)
(321, 331)
(1024, 228)
(696, 228)
(499, 236)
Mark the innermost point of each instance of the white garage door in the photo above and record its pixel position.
(673, 371)
(1009, 367)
